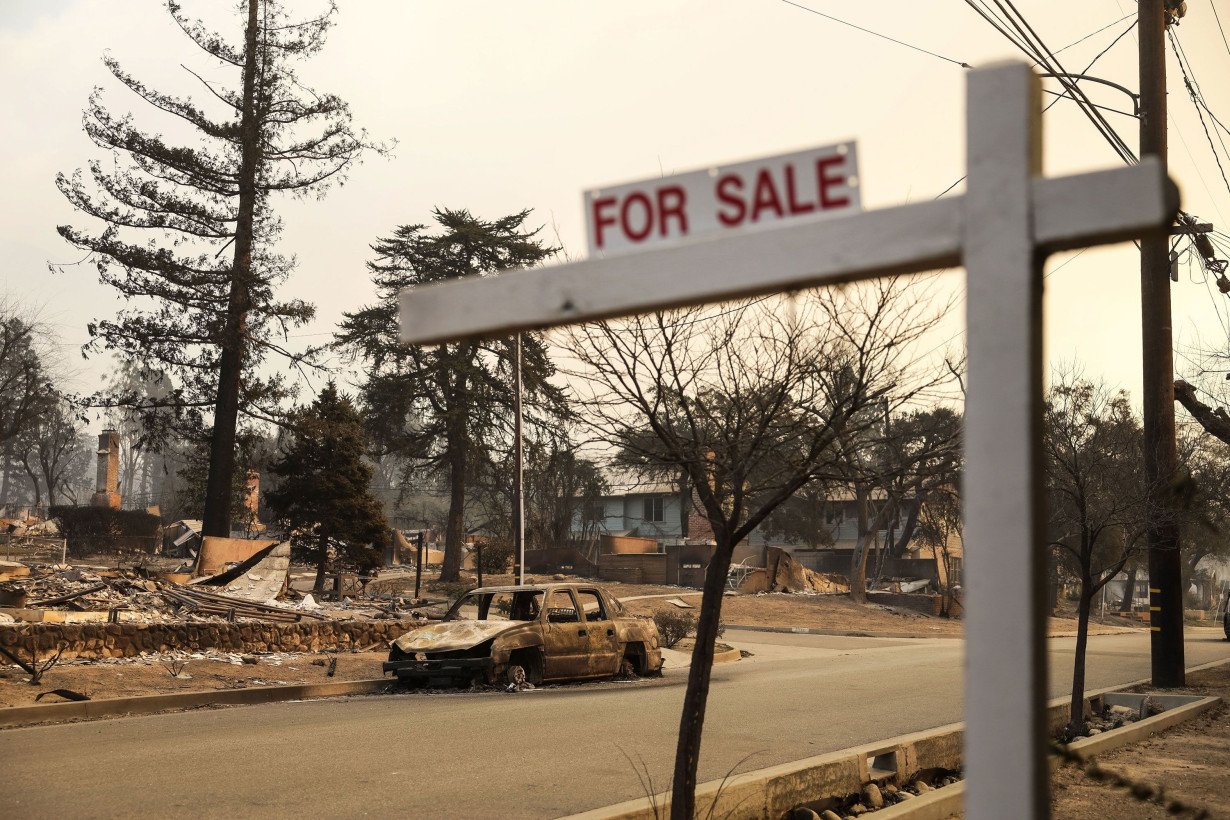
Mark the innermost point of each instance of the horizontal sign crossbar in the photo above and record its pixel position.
(1068, 212)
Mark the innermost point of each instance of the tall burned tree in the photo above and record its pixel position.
(749, 402)
(189, 229)
(446, 408)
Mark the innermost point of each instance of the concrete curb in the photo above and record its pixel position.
(937, 805)
(846, 633)
(835, 633)
(1141, 729)
(147, 704)
(949, 800)
(13, 716)
(773, 791)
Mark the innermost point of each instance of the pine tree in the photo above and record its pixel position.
(323, 497)
(204, 320)
(447, 408)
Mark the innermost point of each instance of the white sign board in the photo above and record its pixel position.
(813, 184)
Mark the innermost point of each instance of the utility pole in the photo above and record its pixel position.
(518, 470)
(1160, 452)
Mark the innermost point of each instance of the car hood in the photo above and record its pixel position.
(451, 635)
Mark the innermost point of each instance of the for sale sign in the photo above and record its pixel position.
(814, 184)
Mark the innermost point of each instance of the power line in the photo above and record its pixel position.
(1099, 31)
(1026, 40)
(1191, 92)
(1217, 17)
(877, 34)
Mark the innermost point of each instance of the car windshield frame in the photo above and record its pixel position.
(484, 602)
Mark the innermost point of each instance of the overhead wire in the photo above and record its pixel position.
(1217, 17)
(1192, 92)
(877, 34)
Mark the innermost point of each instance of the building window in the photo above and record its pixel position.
(653, 509)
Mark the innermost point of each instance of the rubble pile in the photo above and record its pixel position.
(68, 595)
(784, 574)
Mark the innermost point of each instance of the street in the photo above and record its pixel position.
(535, 754)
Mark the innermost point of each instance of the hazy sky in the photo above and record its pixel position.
(499, 106)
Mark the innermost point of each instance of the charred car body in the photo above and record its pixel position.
(532, 633)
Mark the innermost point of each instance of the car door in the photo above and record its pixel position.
(566, 637)
(605, 651)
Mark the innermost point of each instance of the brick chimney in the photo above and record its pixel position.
(108, 482)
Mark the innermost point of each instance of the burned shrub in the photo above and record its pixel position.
(674, 625)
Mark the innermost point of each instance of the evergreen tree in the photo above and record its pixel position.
(447, 408)
(323, 498)
(204, 318)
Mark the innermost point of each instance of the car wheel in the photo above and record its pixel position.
(529, 661)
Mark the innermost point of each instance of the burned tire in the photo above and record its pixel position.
(529, 661)
(635, 662)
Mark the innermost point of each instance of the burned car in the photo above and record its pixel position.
(538, 633)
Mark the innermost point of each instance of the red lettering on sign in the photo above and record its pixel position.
(601, 221)
(672, 202)
(766, 196)
(792, 198)
(642, 232)
(824, 181)
(728, 189)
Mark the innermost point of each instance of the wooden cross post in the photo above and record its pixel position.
(1001, 231)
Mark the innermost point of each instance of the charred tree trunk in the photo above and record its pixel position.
(1052, 587)
(1129, 591)
(6, 467)
(1076, 713)
(217, 515)
(858, 566)
(454, 529)
(692, 721)
(322, 566)
(32, 474)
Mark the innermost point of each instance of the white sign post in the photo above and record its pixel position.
(1000, 231)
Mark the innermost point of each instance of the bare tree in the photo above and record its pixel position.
(749, 402)
(1099, 507)
(894, 466)
(940, 526)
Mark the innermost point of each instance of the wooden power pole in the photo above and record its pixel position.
(1160, 452)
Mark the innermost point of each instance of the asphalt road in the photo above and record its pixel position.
(534, 754)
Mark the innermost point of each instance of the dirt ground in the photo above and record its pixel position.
(216, 670)
(126, 677)
(1191, 762)
(828, 612)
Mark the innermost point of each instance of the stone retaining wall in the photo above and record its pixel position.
(130, 640)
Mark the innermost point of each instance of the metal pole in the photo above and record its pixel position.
(519, 469)
(418, 565)
(1160, 453)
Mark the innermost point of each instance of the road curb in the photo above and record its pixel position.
(13, 716)
(774, 791)
(937, 805)
(846, 633)
(1141, 729)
